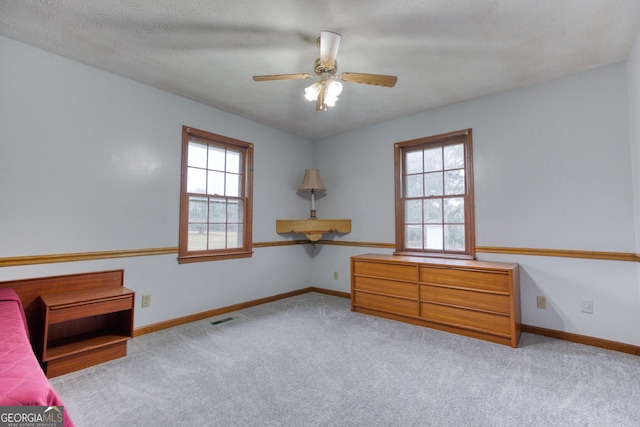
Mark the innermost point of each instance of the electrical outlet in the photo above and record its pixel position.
(541, 302)
(146, 300)
(587, 306)
(335, 275)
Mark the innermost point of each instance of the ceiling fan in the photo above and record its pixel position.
(325, 91)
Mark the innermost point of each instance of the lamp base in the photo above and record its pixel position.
(313, 214)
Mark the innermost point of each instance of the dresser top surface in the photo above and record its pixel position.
(427, 261)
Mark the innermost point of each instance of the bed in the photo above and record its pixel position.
(22, 381)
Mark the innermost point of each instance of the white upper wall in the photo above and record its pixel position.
(633, 77)
(90, 161)
(551, 164)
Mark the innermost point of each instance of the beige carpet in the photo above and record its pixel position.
(310, 361)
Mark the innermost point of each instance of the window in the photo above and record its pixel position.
(215, 197)
(434, 196)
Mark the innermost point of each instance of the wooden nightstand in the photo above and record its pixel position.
(82, 328)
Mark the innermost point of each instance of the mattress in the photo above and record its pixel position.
(22, 381)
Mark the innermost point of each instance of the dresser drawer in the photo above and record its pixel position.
(385, 303)
(388, 287)
(63, 314)
(461, 317)
(463, 298)
(385, 270)
(466, 278)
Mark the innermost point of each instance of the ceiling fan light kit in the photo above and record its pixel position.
(325, 92)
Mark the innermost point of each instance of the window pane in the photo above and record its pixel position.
(234, 211)
(197, 209)
(216, 158)
(197, 155)
(215, 184)
(454, 156)
(454, 182)
(233, 185)
(233, 161)
(217, 236)
(413, 212)
(414, 162)
(413, 186)
(433, 184)
(196, 180)
(454, 210)
(433, 211)
(413, 236)
(433, 159)
(197, 237)
(234, 236)
(454, 237)
(433, 237)
(217, 210)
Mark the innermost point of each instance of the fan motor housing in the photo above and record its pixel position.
(320, 70)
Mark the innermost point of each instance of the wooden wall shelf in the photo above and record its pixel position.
(313, 228)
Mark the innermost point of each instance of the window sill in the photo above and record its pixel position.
(186, 259)
(466, 257)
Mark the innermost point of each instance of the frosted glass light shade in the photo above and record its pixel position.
(312, 92)
(333, 89)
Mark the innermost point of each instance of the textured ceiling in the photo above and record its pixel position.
(443, 51)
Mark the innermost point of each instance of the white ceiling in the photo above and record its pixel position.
(443, 51)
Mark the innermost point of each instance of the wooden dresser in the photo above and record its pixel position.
(473, 298)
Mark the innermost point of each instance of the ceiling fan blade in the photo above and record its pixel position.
(369, 79)
(281, 77)
(329, 43)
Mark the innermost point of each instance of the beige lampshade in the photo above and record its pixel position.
(312, 182)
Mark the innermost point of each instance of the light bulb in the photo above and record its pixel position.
(311, 93)
(333, 89)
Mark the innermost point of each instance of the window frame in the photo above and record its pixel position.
(462, 136)
(246, 250)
